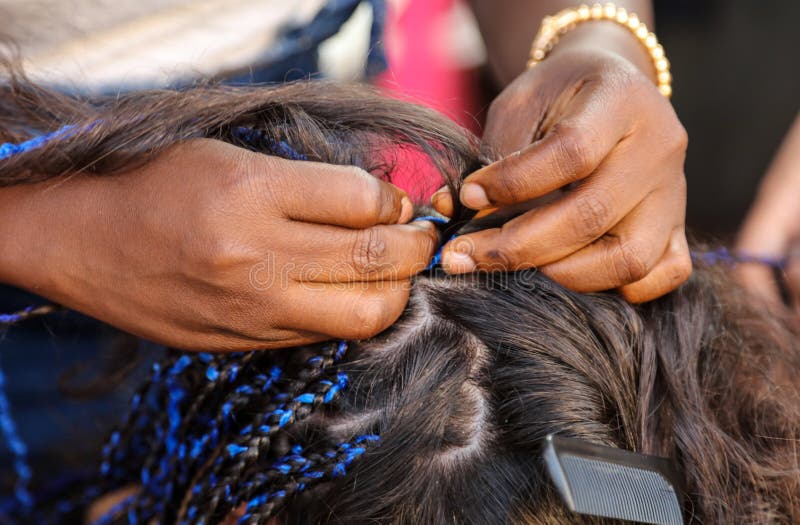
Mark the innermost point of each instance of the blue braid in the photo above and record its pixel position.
(11, 436)
(306, 468)
(271, 422)
(18, 448)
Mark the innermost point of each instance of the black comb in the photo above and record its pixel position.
(613, 483)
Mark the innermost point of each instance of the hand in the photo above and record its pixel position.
(772, 227)
(212, 247)
(588, 121)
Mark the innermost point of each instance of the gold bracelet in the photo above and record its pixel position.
(554, 26)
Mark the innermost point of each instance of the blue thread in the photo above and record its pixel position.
(15, 317)
(305, 398)
(8, 150)
(212, 373)
(432, 218)
(257, 137)
(724, 256)
(437, 257)
(341, 348)
(235, 450)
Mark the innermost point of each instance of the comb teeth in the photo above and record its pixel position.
(612, 483)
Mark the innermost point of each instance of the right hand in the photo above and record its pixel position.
(212, 247)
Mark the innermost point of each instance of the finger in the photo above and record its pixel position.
(674, 269)
(107, 502)
(555, 231)
(341, 255)
(345, 311)
(228, 341)
(442, 201)
(615, 260)
(760, 281)
(570, 151)
(341, 195)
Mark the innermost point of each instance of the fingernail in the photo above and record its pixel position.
(443, 202)
(406, 210)
(457, 262)
(473, 196)
(428, 226)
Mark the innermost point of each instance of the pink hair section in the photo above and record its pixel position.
(421, 70)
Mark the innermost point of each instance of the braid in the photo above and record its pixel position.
(191, 434)
(18, 448)
(14, 441)
(254, 440)
(8, 427)
(205, 448)
(299, 472)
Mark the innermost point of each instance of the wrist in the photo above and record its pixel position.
(26, 246)
(610, 37)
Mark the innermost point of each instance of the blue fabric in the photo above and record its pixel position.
(296, 53)
(63, 433)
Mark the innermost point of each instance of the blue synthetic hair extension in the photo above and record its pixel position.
(8, 150)
(18, 449)
(724, 256)
(11, 436)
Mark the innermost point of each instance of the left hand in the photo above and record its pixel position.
(589, 119)
(772, 226)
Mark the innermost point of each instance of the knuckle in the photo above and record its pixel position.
(375, 200)
(241, 167)
(425, 245)
(501, 104)
(629, 262)
(508, 254)
(572, 150)
(371, 317)
(224, 255)
(682, 268)
(508, 180)
(681, 138)
(594, 214)
(253, 183)
(368, 253)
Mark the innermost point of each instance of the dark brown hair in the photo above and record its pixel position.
(465, 386)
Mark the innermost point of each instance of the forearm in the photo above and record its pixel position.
(509, 26)
(786, 165)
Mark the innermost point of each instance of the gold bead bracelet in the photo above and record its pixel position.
(556, 25)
